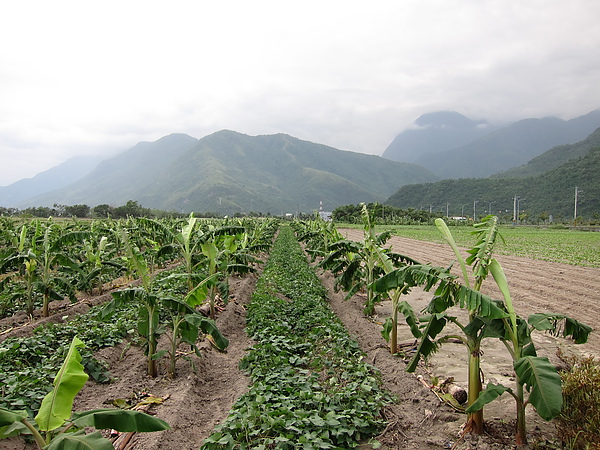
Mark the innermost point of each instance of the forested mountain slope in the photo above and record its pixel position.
(229, 172)
(552, 192)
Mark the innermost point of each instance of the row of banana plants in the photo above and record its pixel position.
(310, 388)
(385, 275)
(165, 302)
(45, 260)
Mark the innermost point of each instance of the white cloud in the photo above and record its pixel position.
(86, 77)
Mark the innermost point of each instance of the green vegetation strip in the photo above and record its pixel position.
(27, 364)
(310, 388)
(568, 246)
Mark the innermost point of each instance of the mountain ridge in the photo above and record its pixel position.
(495, 149)
(548, 190)
(229, 172)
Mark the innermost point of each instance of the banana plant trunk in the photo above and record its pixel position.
(521, 435)
(475, 420)
(394, 335)
(152, 368)
(45, 311)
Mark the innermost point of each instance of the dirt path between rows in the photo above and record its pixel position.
(197, 401)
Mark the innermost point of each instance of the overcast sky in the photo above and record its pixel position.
(84, 77)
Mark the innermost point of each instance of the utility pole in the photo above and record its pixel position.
(447, 206)
(515, 198)
(475, 210)
(490, 207)
(577, 191)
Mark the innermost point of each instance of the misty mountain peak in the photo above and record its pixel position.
(447, 119)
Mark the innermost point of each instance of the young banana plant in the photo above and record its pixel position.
(55, 422)
(535, 373)
(148, 316)
(357, 265)
(186, 324)
(450, 292)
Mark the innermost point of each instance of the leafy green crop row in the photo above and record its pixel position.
(310, 388)
(28, 363)
(575, 247)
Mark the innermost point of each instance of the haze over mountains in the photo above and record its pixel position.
(453, 146)
(545, 186)
(228, 172)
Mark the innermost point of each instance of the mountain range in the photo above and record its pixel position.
(228, 172)
(545, 186)
(453, 146)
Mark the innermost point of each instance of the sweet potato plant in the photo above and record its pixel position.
(309, 386)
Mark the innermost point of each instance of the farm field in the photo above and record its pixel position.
(196, 401)
(567, 246)
(536, 285)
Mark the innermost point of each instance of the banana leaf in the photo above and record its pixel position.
(543, 382)
(57, 405)
(80, 441)
(208, 326)
(488, 395)
(124, 420)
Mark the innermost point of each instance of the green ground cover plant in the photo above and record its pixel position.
(569, 246)
(57, 427)
(27, 363)
(309, 385)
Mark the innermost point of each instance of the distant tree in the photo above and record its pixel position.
(102, 211)
(39, 211)
(131, 209)
(8, 211)
(77, 211)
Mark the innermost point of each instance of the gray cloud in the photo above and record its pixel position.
(81, 79)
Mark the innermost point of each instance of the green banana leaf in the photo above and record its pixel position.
(9, 417)
(124, 420)
(208, 326)
(57, 405)
(79, 441)
(488, 395)
(543, 382)
(427, 345)
(550, 322)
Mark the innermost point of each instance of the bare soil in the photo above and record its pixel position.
(196, 401)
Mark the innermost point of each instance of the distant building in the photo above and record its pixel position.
(325, 215)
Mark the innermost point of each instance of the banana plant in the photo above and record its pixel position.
(186, 324)
(221, 257)
(56, 427)
(357, 265)
(149, 304)
(17, 263)
(487, 319)
(534, 373)
(448, 293)
(44, 258)
(88, 269)
(318, 236)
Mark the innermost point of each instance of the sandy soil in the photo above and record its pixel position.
(196, 402)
